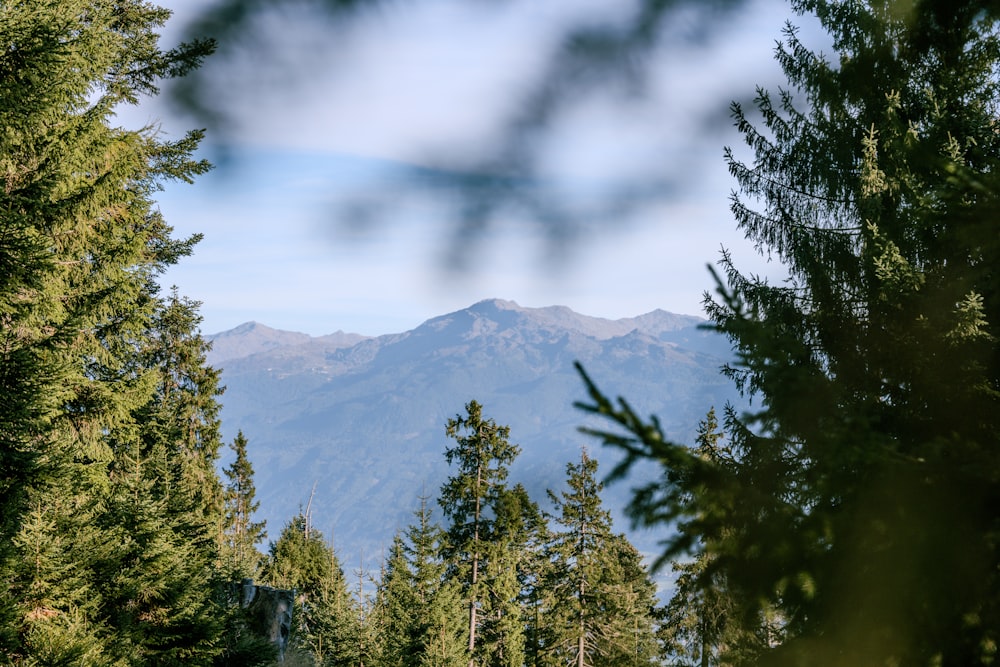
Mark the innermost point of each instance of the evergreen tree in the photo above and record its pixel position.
(242, 534)
(442, 633)
(705, 623)
(56, 599)
(859, 502)
(429, 603)
(155, 585)
(325, 617)
(628, 603)
(597, 594)
(180, 425)
(368, 637)
(300, 559)
(80, 248)
(510, 567)
(481, 456)
(397, 607)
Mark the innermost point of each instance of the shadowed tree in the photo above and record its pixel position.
(858, 504)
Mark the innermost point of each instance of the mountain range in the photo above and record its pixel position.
(353, 426)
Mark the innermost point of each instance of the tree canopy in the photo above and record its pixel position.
(857, 500)
(102, 560)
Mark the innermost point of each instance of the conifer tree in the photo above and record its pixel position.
(442, 637)
(627, 638)
(510, 565)
(437, 624)
(481, 455)
(397, 607)
(325, 619)
(705, 623)
(596, 590)
(180, 425)
(80, 248)
(242, 534)
(859, 505)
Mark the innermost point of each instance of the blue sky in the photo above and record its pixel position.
(409, 83)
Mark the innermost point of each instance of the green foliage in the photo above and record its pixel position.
(855, 504)
(598, 598)
(97, 567)
(426, 621)
(520, 580)
(241, 534)
(485, 534)
(705, 622)
(300, 559)
(326, 618)
(180, 425)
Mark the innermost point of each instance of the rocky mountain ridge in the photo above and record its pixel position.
(362, 418)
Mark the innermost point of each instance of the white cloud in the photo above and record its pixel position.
(438, 77)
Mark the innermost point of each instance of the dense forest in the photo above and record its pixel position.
(849, 517)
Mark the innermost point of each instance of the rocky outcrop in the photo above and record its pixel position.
(268, 611)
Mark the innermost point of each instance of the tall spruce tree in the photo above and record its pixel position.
(860, 502)
(241, 534)
(439, 636)
(180, 425)
(586, 603)
(481, 456)
(80, 248)
(511, 566)
(397, 607)
(424, 617)
(705, 623)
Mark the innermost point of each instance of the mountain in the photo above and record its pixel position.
(362, 419)
(253, 338)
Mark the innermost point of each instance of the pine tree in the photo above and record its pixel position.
(166, 495)
(595, 586)
(511, 565)
(58, 603)
(628, 595)
(325, 619)
(156, 587)
(442, 634)
(242, 533)
(80, 248)
(859, 503)
(436, 627)
(180, 425)
(704, 623)
(397, 607)
(468, 498)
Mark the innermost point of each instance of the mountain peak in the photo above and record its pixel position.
(494, 304)
(654, 323)
(250, 338)
(344, 415)
(246, 328)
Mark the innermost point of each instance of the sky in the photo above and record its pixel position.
(430, 79)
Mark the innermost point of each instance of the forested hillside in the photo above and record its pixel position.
(357, 423)
(498, 581)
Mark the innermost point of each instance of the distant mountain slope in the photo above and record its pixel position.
(363, 418)
(252, 338)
